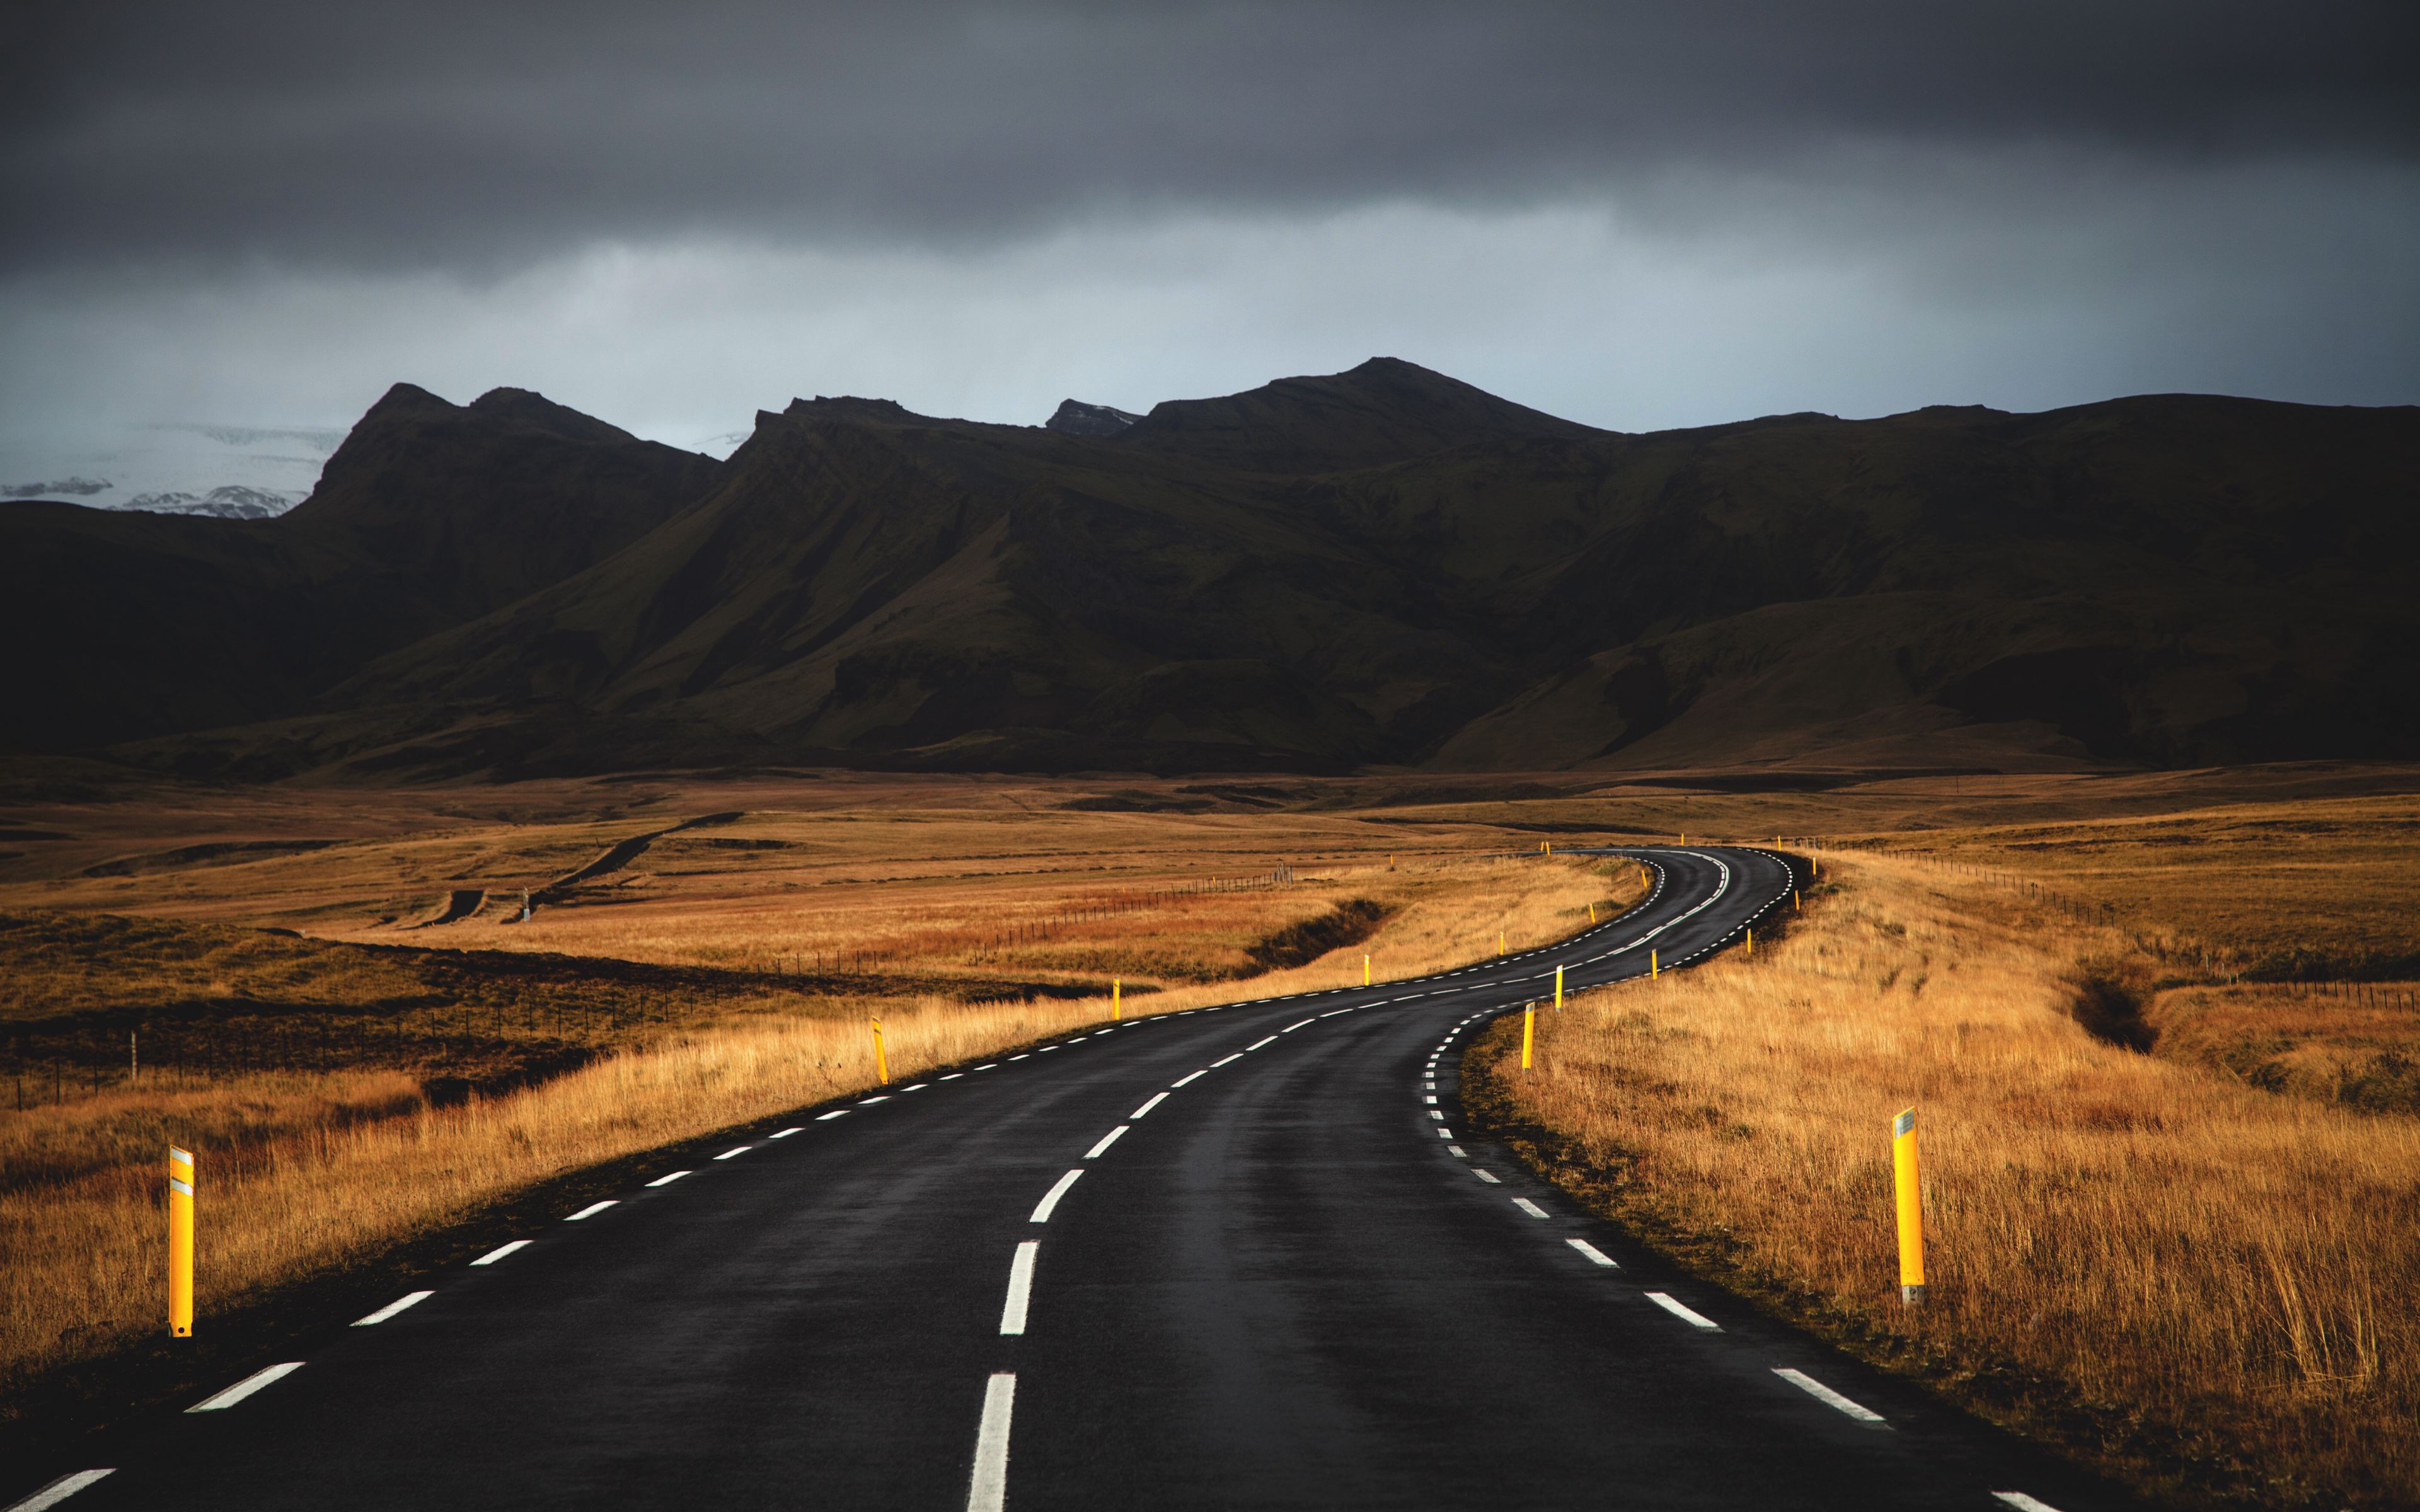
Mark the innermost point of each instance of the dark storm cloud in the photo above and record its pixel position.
(470, 135)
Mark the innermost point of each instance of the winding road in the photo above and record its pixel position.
(1238, 1257)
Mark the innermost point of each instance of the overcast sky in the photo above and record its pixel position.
(1637, 215)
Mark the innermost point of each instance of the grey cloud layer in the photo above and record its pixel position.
(455, 135)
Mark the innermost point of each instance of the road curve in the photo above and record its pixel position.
(1236, 1257)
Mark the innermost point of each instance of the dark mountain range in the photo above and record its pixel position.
(1380, 567)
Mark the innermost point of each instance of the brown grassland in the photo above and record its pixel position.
(2193, 1265)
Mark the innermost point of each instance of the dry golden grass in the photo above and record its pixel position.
(2353, 1045)
(2235, 1269)
(305, 1176)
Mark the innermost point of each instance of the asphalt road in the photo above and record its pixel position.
(1237, 1257)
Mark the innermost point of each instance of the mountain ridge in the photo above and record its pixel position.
(1382, 568)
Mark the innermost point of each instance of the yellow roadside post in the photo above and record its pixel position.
(1591, 913)
(1365, 968)
(1558, 988)
(1117, 998)
(1751, 942)
(181, 1243)
(1793, 900)
(1654, 969)
(881, 1060)
(1500, 942)
(1911, 1209)
(1528, 1031)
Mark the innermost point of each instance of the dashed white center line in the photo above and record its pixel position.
(1488, 1176)
(784, 1134)
(1333, 1011)
(989, 1490)
(59, 1490)
(1687, 1314)
(918, 1087)
(1019, 1057)
(1445, 1134)
(1437, 1113)
(869, 1101)
(734, 1150)
(1229, 1062)
(1257, 1043)
(1457, 1152)
(990, 1065)
(1291, 1027)
(1430, 1100)
(1529, 1207)
(668, 1178)
(1020, 1287)
(1107, 1140)
(2015, 1499)
(1593, 1252)
(1825, 1395)
(836, 1112)
(1191, 1076)
(1050, 1200)
(954, 1075)
(593, 1210)
(1156, 1099)
(1043, 1051)
(500, 1251)
(409, 1299)
(245, 1387)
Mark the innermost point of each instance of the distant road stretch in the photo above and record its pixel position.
(1238, 1257)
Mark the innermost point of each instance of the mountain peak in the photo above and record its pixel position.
(1075, 418)
(526, 407)
(1385, 410)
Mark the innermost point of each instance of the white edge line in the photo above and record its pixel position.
(1043, 1209)
(592, 1210)
(1529, 1207)
(245, 1387)
(60, 1490)
(500, 1251)
(836, 1112)
(989, 1492)
(1156, 1099)
(408, 1299)
(1825, 1395)
(786, 1133)
(1107, 1140)
(736, 1150)
(1020, 1287)
(669, 1177)
(2015, 1499)
(1686, 1314)
(1593, 1252)
(1488, 1176)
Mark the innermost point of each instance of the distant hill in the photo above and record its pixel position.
(1383, 567)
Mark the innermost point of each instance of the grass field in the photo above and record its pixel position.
(325, 1079)
(2153, 1257)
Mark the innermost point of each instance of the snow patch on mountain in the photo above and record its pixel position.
(176, 467)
